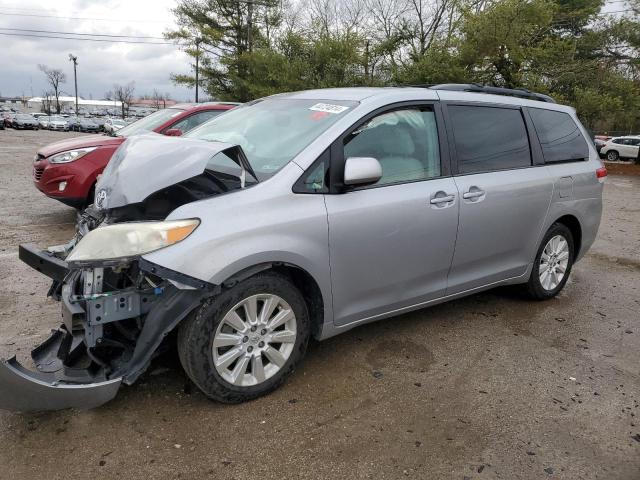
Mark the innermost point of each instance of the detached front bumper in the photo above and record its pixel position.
(53, 386)
(23, 390)
(107, 338)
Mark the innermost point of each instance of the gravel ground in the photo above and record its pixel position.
(491, 386)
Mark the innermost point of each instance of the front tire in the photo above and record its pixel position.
(612, 155)
(553, 263)
(245, 342)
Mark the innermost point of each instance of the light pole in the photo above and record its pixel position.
(74, 59)
(198, 40)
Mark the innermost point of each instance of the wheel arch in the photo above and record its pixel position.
(574, 226)
(301, 278)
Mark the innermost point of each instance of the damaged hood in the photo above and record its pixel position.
(145, 164)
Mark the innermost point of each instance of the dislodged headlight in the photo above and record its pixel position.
(130, 239)
(71, 155)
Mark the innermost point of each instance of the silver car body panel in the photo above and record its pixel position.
(400, 252)
(269, 223)
(250, 235)
(495, 240)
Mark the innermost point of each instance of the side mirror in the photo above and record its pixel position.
(362, 171)
(173, 132)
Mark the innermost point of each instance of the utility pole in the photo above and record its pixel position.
(198, 40)
(74, 59)
(366, 60)
(249, 24)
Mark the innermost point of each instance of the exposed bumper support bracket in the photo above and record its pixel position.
(42, 261)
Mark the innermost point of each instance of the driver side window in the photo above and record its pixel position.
(405, 142)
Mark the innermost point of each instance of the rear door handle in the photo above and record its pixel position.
(445, 199)
(474, 194)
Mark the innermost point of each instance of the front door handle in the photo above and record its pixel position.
(445, 199)
(474, 192)
(469, 195)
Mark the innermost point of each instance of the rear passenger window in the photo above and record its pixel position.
(559, 136)
(405, 142)
(489, 138)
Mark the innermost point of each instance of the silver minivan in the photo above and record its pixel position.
(304, 215)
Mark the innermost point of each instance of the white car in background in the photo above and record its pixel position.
(56, 122)
(43, 121)
(113, 125)
(621, 148)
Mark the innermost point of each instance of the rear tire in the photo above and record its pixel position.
(552, 265)
(229, 347)
(612, 155)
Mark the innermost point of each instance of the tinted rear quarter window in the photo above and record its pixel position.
(559, 136)
(489, 138)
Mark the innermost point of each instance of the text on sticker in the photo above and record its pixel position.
(329, 108)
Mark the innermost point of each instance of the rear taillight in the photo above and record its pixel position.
(601, 174)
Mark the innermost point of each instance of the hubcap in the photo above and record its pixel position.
(553, 262)
(254, 340)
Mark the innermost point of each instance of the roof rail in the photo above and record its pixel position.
(477, 88)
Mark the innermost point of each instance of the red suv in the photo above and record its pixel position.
(67, 170)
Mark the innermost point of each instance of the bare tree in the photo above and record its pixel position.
(55, 77)
(46, 102)
(158, 99)
(425, 19)
(323, 15)
(124, 94)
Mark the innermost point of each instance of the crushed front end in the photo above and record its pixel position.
(117, 307)
(115, 316)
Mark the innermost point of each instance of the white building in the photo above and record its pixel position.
(36, 102)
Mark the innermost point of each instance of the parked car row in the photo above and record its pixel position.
(9, 109)
(62, 123)
(299, 216)
(134, 112)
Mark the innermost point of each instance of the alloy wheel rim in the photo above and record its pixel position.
(554, 262)
(611, 156)
(254, 340)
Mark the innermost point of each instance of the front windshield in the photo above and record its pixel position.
(273, 131)
(147, 123)
(57, 118)
(23, 116)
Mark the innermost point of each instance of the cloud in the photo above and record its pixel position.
(100, 64)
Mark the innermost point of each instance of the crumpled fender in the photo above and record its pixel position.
(24, 390)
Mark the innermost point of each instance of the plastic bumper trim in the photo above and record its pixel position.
(23, 390)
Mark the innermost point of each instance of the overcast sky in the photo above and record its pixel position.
(100, 64)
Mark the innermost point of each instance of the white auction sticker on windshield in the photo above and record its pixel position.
(328, 108)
